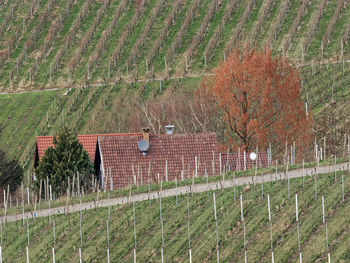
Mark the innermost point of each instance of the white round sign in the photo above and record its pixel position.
(252, 156)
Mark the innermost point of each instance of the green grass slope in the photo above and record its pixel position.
(51, 43)
(202, 227)
(26, 115)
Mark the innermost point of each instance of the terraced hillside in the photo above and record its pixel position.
(106, 109)
(195, 220)
(50, 43)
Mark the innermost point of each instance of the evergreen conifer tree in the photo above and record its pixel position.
(66, 159)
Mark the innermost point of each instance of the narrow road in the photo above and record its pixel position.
(197, 188)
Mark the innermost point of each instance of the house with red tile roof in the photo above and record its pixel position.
(141, 158)
(119, 161)
(169, 156)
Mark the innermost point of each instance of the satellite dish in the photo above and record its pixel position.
(252, 156)
(143, 145)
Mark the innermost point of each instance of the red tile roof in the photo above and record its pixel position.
(88, 141)
(121, 154)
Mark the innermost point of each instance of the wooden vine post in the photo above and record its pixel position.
(188, 229)
(206, 178)
(342, 185)
(161, 226)
(217, 233)
(244, 231)
(134, 220)
(271, 240)
(326, 227)
(316, 178)
(335, 170)
(298, 226)
(54, 241)
(107, 226)
(234, 187)
(303, 173)
(27, 250)
(176, 190)
(288, 179)
(81, 233)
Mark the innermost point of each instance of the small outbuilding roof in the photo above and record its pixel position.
(88, 141)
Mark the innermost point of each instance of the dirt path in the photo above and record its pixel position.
(123, 81)
(197, 188)
(145, 80)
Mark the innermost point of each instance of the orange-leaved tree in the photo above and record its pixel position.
(257, 97)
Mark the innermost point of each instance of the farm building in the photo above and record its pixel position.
(138, 158)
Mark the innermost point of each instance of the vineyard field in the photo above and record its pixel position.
(156, 38)
(64, 233)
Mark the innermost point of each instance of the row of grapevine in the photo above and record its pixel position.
(238, 29)
(55, 28)
(346, 35)
(294, 28)
(122, 41)
(61, 119)
(276, 27)
(340, 7)
(78, 113)
(213, 42)
(141, 40)
(20, 30)
(175, 9)
(185, 25)
(258, 25)
(313, 26)
(331, 85)
(99, 49)
(86, 39)
(70, 37)
(9, 16)
(31, 43)
(203, 28)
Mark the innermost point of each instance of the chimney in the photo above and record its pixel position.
(145, 133)
(169, 129)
